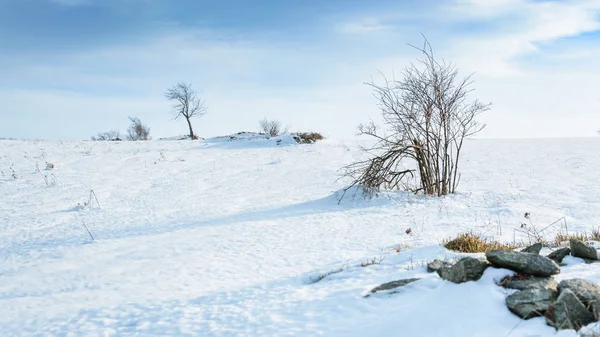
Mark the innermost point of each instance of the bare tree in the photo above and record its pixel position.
(109, 135)
(137, 130)
(187, 103)
(427, 117)
(273, 128)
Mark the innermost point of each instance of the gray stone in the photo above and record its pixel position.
(580, 249)
(531, 282)
(526, 263)
(466, 269)
(586, 291)
(535, 248)
(595, 309)
(568, 312)
(444, 271)
(436, 264)
(559, 254)
(394, 284)
(531, 302)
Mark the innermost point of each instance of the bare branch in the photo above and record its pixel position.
(427, 116)
(273, 128)
(187, 103)
(137, 130)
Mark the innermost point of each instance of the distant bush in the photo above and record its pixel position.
(273, 128)
(109, 135)
(137, 130)
(307, 137)
(475, 243)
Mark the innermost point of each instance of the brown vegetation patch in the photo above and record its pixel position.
(307, 137)
(475, 243)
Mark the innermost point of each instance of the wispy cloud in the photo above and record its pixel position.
(362, 27)
(314, 79)
(529, 24)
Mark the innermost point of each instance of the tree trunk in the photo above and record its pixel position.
(192, 137)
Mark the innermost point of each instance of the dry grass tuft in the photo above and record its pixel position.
(595, 235)
(504, 282)
(561, 237)
(475, 243)
(373, 261)
(307, 137)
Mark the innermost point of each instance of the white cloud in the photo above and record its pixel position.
(320, 86)
(363, 27)
(242, 83)
(530, 25)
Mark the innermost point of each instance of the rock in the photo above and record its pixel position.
(568, 312)
(436, 264)
(580, 249)
(534, 249)
(531, 302)
(444, 271)
(586, 291)
(595, 308)
(394, 284)
(526, 263)
(531, 282)
(466, 269)
(559, 254)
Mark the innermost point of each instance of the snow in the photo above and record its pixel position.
(226, 237)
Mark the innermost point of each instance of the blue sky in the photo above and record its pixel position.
(72, 68)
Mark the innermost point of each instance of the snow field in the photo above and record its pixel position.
(224, 237)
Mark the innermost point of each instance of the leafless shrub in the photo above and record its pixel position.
(49, 179)
(427, 117)
(187, 104)
(90, 201)
(373, 261)
(109, 135)
(272, 128)
(539, 234)
(137, 130)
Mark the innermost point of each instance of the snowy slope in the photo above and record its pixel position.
(225, 238)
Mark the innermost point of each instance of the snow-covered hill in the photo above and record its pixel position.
(226, 237)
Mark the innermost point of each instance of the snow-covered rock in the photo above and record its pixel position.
(530, 303)
(464, 270)
(580, 249)
(559, 254)
(568, 312)
(535, 248)
(527, 263)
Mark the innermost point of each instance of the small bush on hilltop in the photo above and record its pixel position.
(273, 128)
(109, 135)
(137, 130)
